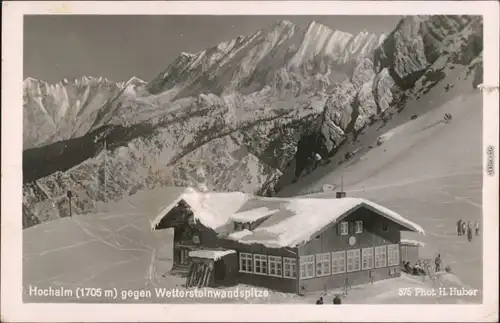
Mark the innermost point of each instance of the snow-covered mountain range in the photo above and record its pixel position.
(68, 109)
(244, 112)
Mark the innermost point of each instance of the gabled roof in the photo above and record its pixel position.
(299, 219)
(289, 222)
(212, 209)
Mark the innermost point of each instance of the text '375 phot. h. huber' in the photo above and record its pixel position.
(253, 159)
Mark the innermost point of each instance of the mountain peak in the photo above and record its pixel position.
(135, 79)
(27, 81)
(283, 23)
(187, 54)
(320, 41)
(316, 27)
(30, 79)
(381, 38)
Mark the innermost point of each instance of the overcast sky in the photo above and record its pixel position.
(119, 47)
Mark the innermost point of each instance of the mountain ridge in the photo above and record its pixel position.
(253, 51)
(67, 109)
(196, 69)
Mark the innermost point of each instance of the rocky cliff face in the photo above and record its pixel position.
(419, 48)
(243, 112)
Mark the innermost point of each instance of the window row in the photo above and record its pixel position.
(238, 226)
(321, 264)
(348, 261)
(268, 265)
(344, 227)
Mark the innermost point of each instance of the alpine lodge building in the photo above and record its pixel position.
(293, 245)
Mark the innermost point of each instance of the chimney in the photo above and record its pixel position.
(341, 194)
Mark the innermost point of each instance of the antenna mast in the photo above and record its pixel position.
(105, 176)
(341, 193)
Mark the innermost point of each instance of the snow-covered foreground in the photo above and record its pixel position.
(116, 249)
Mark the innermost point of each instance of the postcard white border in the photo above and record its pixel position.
(12, 65)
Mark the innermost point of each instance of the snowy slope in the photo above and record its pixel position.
(426, 145)
(429, 171)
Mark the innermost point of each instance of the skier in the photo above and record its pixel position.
(477, 228)
(464, 227)
(437, 262)
(469, 232)
(459, 227)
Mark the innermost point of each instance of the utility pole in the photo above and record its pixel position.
(341, 194)
(69, 194)
(105, 177)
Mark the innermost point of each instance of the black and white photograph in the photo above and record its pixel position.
(253, 158)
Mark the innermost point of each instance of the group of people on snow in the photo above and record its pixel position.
(419, 269)
(336, 300)
(416, 270)
(466, 228)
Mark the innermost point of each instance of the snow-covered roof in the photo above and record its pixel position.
(409, 242)
(210, 254)
(253, 215)
(289, 222)
(212, 209)
(301, 218)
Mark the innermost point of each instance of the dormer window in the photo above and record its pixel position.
(238, 226)
(359, 227)
(384, 226)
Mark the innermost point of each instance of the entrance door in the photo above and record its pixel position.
(220, 270)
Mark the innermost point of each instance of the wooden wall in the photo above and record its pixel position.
(330, 240)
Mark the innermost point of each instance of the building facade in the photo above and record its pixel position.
(410, 250)
(360, 244)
